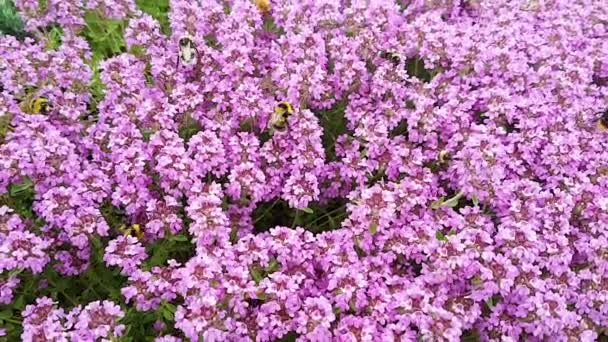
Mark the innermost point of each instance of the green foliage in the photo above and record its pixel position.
(114, 216)
(258, 273)
(106, 39)
(10, 21)
(334, 125)
(97, 283)
(188, 128)
(20, 198)
(449, 202)
(317, 217)
(415, 68)
(159, 10)
(105, 36)
(178, 247)
(290, 337)
(271, 26)
(400, 129)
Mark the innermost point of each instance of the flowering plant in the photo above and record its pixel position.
(316, 170)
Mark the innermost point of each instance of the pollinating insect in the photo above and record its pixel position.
(40, 105)
(135, 231)
(188, 53)
(263, 5)
(278, 120)
(602, 123)
(391, 56)
(444, 157)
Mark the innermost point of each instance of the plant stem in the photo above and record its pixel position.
(295, 218)
(266, 211)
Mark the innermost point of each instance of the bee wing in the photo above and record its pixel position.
(274, 118)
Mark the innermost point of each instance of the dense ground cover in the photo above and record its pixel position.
(443, 174)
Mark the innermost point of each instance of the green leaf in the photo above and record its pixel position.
(168, 311)
(416, 68)
(308, 210)
(452, 202)
(290, 337)
(273, 266)
(476, 280)
(189, 127)
(146, 133)
(6, 313)
(10, 21)
(25, 185)
(178, 238)
(373, 228)
(475, 200)
(19, 303)
(159, 257)
(436, 204)
(159, 10)
(256, 274)
(440, 236)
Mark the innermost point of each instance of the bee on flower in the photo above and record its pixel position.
(38, 105)
(263, 5)
(188, 52)
(393, 57)
(278, 120)
(135, 231)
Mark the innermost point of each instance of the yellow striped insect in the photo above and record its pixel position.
(263, 5)
(391, 56)
(40, 105)
(135, 230)
(278, 120)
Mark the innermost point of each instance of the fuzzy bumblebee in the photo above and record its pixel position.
(40, 105)
(188, 53)
(263, 5)
(278, 120)
(135, 231)
(391, 56)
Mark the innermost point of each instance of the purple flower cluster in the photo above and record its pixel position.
(44, 321)
(473, 170)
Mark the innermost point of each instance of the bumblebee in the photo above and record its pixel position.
(444, 157)
(278, 120)
(135, 231)
(602, 123)
(40, 105)
(188, 53)
(391, 56)
(263, 5)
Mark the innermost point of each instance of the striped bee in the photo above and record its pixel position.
(135, 231)
(40, 105)
(188, 53)
(278, 120)
(394, 57)
(263, 5)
